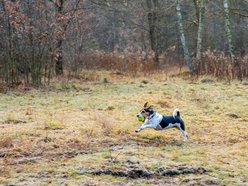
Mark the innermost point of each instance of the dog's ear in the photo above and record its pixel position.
(146, 104)
(151, 107)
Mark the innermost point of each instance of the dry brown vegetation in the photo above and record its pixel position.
(81, 132)
(214, 63)
(219, 65)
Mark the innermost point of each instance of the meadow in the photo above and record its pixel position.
(81, 131)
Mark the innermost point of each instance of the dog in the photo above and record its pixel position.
(154, 120)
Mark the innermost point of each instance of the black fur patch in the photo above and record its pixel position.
(170, 119)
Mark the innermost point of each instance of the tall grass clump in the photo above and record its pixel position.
(218, 64)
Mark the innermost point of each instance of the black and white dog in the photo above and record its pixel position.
(154, 120)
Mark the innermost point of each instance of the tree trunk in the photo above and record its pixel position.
(10, 66)
(197, 11)
(153, 22)
(59, 60)
(200, 28)
(228, 28)
(187, 57)
(157, 30)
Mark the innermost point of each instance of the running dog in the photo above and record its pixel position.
(152, 119)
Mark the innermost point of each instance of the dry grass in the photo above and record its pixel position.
(60, 136)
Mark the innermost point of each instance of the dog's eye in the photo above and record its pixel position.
(142, 111)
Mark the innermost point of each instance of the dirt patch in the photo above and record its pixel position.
(14, 121)
(132, 173)
(129, 169)
(136, 171)
(232, 115)
(179, 170)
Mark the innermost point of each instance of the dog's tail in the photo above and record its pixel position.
(176, 113)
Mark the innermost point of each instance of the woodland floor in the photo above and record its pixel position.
(81, 132)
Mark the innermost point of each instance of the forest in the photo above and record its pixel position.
(43, 39)
(80, 79)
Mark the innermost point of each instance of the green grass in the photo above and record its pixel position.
(78, 127)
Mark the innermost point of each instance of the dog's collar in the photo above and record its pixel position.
(151, 116)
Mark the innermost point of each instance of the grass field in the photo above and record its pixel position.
(81, 132)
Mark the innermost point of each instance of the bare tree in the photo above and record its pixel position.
(63, 19)
(200, 30)
(187, 57)
(153, 23)
(228, 28)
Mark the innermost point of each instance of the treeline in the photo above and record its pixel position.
(40, 39)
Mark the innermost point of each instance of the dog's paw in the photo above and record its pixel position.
(185, 139)
(137, 131)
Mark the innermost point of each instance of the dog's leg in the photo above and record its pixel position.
(181, 127)
(185, 135)
(144, 127)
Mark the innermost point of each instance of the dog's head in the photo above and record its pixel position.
(145, 112)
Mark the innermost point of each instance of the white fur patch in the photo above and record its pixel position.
(175, 112)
